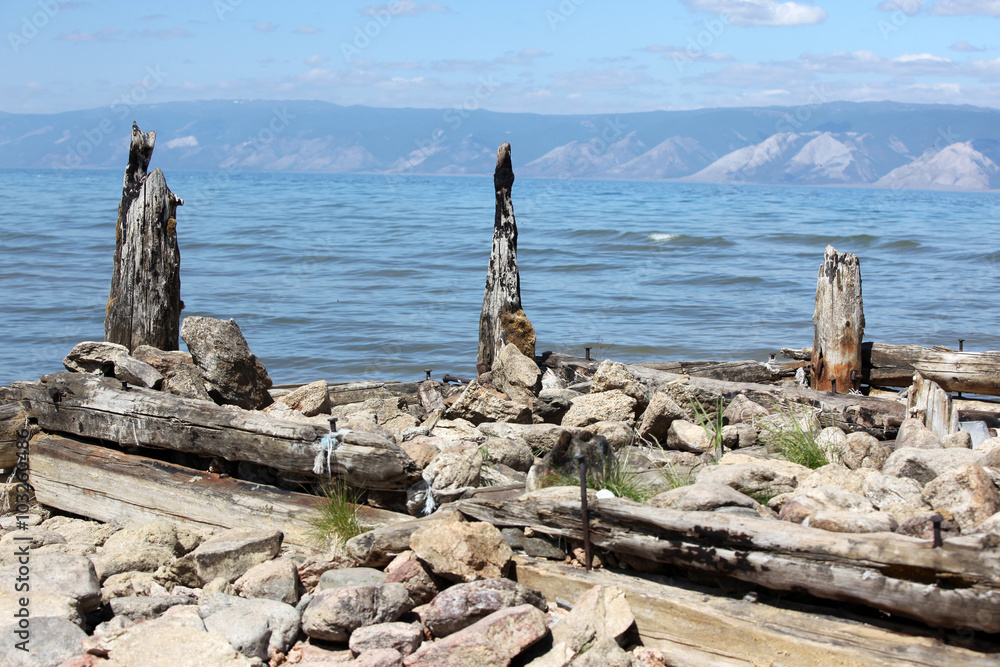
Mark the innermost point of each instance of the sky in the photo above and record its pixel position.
(548, 56)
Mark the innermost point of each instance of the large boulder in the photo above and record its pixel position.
(703, 497)
(463, 604)
(613, 405)
(58, 573)
(863, 450)
(755, 477)
(923, 465)
(282, 620)
(460, 551)
(685, 436)
(494, 640)
(454, 468)
(899, 496)
(913, 433)
(407, 569)
(333, 614)
(310, 399)
(480, 403)
(227, 556)
(837, 475)
(806, 504)
(49, 641)
(276, 579)
(967, 494)
(219, 349)
(96, 357)
(741, 410)
(403, 637)
(615, 375)
(661, 412)
(516, 375)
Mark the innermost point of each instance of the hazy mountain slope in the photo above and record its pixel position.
(955, 167)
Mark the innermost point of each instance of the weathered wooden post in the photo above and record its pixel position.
(144, 306)
(502, 320)
(839, 324)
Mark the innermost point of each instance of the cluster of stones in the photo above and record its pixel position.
(158, 594)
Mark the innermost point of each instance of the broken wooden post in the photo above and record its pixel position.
(502, 320)
(928, 402)
(144, 306)
(839, 324)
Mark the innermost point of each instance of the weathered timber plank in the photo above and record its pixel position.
(838, 324)
(105, 484)
(944, 587)
(928, 402)
(98, 408)
(694, 628)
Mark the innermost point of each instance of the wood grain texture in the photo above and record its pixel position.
(838, 324)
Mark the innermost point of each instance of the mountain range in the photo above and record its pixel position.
(880, 144)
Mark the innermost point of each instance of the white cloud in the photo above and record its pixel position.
(404, 8)
(317, 59)
(266, 26)
(966, 8)
(965, 46)
(681, 54)
(104, 35)
(599, 79)
(189, 141)
(761, 12)
(308, 30)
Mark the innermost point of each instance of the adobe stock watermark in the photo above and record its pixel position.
(697, 45)
(364, 34)
(562, 12)
(78, 150)
(224, 7)
(817, 98)
(22, 582)
(32, 25)
(900, 16)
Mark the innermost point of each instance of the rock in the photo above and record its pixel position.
(460, 551)
(430, 396)
(913, 433)
(334, 614)
(463, 604)
(423, 449)
(145, 607)
(539, 438)
(516, 375)
(516, 455)
(612, 375)
(164, 361)
(840, 521)
(808, 503)
(898, 496)
(600, 617)
(703, 497)
(50, 641)
(157, 646)
(377, 547)
(991, 525)
(97, 357)
(380, 657)
(41, 605)
(282, 620)
(407, 569)
(618, 434)
(833, 442)
(737, 436)
(967, 494)
(863, 450)
(307, 655)
(58, 574)
(310, 399)
(561, 460)
(923, 465)
(137, 373)
(604, 653)
(81, 531)
(189, 382)
(551, 408)
(687, 437)
(922, 526)
(143, 548)
(614, 405)
(962, 439)
(479, 404)
(276, 579)
(537, 545)
(836, 475)
(661, 412)
(351, 576)
(248, 634)
(219, 349)
(454, 468)
(313, 567)
(403, 637)
(128, 584)
(33, 538)
(755, 477)
(741, 410)
(228, 556)
(494, 640)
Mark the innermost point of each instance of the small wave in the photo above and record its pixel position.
(660, 237)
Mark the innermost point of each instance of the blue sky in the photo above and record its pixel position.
(555, 56)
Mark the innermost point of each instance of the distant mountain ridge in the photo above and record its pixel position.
(882, 144)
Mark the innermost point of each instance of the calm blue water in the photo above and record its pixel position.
(346, 277)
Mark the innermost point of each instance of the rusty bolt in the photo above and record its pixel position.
(333, 424)
(428, 371)
(833, 383)
(587, 349)
(936, 520)
(124, 386)
(961, 345)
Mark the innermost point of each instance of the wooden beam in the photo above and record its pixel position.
(105, 484)
(929, 403)
(838, 324)
(694, 628)
(952, 586)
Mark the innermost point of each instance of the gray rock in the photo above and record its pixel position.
(59, 574)
(81, 531)
(160, 646)
(228, 556)
(140, 559)
(380, 657)
(94, 357)
(463, 604)
(604, 653)
(614, 375)
(741, 410)
(613, 405)
(516, 375)
(923, 465)
(219, 349)
(661, 412)
(176, 539)
(863, 450)
(282, 620)
(833, 442)
(333, 614)
(703, 497)
(967, 494)
(460, 551)
(311, 399)
(138, 373)
(41, 605)
(247, 633)
(913, 433)
(511, 453)
(407, 569)
(276, 579)
(49, 641)
(479, 403)
(351, 576)
(687, 437)
(839, 476)
(430, 396)
(189, 382)
(495, 640)
(840, 521)
(898, 496)
(145, 607)
(922, 526)
(33, 538)
(962, 440)
(454, 468)
(755, 477)
(312, 568)
(991, 525)
(808, 503)
(128, 584)
(403, 637)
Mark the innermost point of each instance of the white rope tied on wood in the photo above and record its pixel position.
(330, 442)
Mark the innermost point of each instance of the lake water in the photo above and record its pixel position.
(349, 277)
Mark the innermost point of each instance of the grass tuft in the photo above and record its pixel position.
(713, 427)
(619, 478)
(337, 520)
(795, 442)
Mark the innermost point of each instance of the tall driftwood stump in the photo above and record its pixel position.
(502, 320)
(144, 306)
(839, 324)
